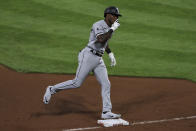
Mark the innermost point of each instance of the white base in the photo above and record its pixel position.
(113, 122)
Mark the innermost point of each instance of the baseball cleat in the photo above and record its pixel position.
(110, 115)
(47, 95)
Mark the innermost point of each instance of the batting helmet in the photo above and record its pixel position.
(112, 10)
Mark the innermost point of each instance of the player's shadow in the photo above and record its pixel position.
(64, 107)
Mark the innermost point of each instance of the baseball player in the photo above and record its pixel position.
(90, 60)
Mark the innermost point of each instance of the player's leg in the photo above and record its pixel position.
(86, 64)
(82, 72)
(102, 77)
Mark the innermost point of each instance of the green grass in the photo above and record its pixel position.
(156, 38)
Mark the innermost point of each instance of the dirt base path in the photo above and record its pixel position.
(137, 99)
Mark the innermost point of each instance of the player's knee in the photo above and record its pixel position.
(106, 84)
(77, 84)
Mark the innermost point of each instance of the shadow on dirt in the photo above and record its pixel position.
(144, 101)
(64, 107)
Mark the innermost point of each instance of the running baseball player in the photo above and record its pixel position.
(90, 60)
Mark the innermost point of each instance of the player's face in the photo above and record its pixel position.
(113, 18)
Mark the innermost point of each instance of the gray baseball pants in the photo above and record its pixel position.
(89, 62)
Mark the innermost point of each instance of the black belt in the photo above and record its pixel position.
(95, 52)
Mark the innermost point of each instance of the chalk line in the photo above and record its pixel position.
(137, 123)
(81, 129)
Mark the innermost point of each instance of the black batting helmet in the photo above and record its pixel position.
(112, 10)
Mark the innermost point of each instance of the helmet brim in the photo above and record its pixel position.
(117, 15)
(112, 14)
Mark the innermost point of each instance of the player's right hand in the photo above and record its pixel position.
(115, 25)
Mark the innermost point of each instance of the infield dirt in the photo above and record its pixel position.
(137, 99)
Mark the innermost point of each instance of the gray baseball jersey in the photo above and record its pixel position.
(98, 28)
(87, 62)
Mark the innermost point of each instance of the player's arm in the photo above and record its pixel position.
(104, 37)
(107, 49)
(111, 55)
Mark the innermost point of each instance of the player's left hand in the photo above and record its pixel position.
(112, 59)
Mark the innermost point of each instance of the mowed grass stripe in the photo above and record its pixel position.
(29, 53)
(154, 17)
(32, 41)
(138, 51)
(189, 4)
(154, 8)
(155, 37)
(36, 64)
(42, 25)
(153, 54)
(60, 28)
(144, 29)
(137, 27)
(131, 63)
(38, 10)
(89, 8)
(129, 14)
(158, 20)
